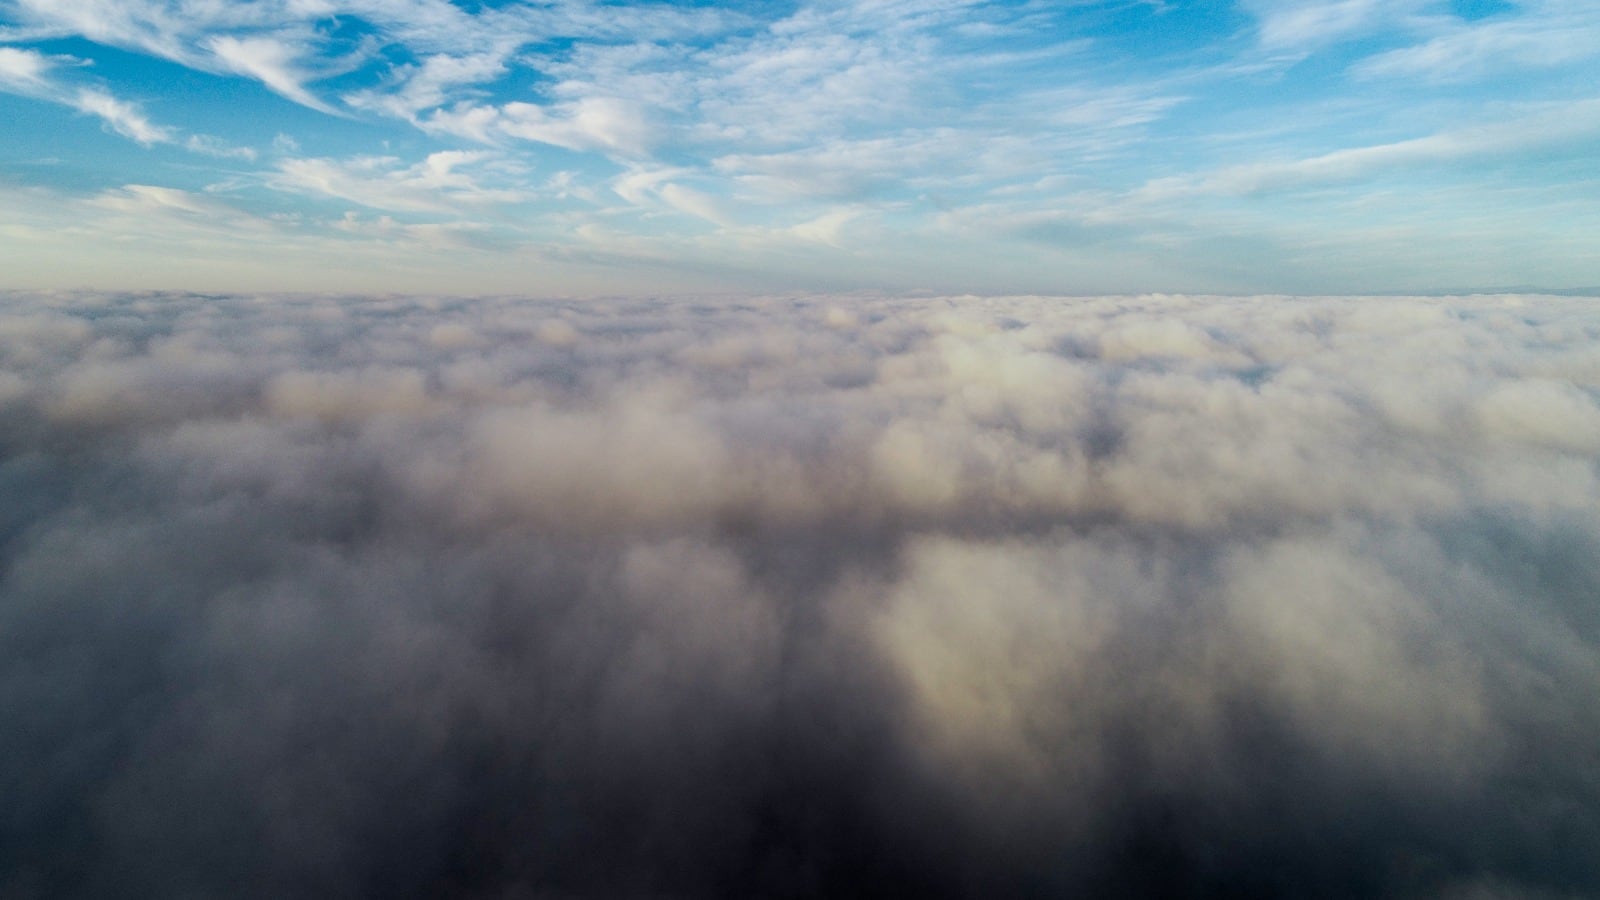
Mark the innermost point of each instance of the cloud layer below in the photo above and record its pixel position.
(799, 597)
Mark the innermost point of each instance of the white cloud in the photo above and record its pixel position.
(846, 169)
(827, 228)
(1547, 35)
(211, 145)
(1542, 125)
(439, 183)
(590, 123)
(284, 43)
(897, 132)
(1079, 574)
(607, 124)
(24, 70)
(121, 116)
(272, 62)
(1304, 25)
(27, 72)
(645, 187)
(431, 84)
(144, 198)
(433, 235)
(140, 24)
(169, 214)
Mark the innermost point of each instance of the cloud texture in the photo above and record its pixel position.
(1164, 596)
(907, 146)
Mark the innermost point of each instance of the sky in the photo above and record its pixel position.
(579, 147)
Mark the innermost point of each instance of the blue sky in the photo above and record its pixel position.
(575, 147)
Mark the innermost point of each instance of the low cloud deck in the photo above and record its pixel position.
(1161, 596)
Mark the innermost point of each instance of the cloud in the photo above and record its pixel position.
(121, 116)
(23, 69)
(649, 187)
(27, 72)
(827, 228)
(264, 41)
(1304, 25)
(1015, 136)
(439, 183)
(211, 145)
(151, 199)
(285, 44)
(1538, 125)
(269, 61)
(843, 169)
(430, 83)
(589, 123)
(434, 235)
(1548, 35)
(805, 597)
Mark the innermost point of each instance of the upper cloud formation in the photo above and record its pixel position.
(289, 45)
(836, 596)
(30, 73)
(990, 146)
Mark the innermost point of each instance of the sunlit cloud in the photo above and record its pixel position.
(1106, 576)
(439, 183)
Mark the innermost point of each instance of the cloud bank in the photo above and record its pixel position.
(850, 596)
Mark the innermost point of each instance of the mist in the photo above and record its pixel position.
(799, 597)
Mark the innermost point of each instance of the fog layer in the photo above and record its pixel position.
(1168, 596)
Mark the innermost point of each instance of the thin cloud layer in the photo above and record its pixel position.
(799, 597)
(1304, 146)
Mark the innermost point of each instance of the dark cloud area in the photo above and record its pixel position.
(1031, 597)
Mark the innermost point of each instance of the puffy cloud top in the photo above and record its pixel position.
(799, 597)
